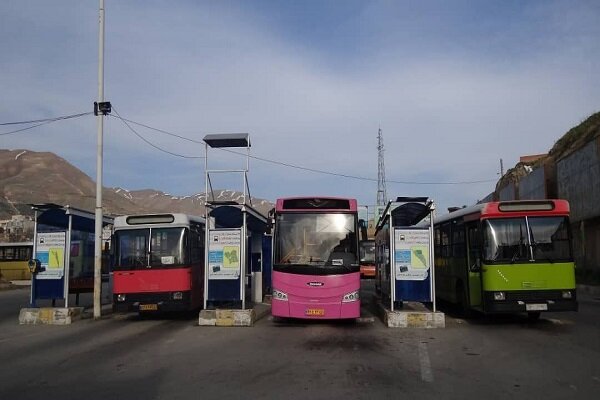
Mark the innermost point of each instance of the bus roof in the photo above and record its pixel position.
(506, 209)
(149, 220)
(315, 204)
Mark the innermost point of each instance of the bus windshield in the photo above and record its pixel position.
(167, 247)
(367, 252)
(550, 238)
(509, 240)
(316, 240)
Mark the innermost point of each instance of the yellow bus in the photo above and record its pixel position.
(13, 260)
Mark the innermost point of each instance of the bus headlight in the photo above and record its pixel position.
(352, 296)
(120, 297)
(499, 296)
(279, 295)
(177, 295)
(566, 294)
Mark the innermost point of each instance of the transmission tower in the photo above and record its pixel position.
(381, 191)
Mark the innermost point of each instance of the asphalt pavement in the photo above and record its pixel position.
(125, 356)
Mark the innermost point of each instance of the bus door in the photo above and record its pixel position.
(474, 263)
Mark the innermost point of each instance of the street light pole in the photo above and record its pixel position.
(99, 217)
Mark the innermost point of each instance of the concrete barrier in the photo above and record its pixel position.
(50, 315)
(413, 315)
(222, 317)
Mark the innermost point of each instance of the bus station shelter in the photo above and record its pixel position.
(235, 236)
(64, 245)
(405, 252)
(234, 281)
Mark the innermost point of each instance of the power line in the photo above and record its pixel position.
(149, 142)
(34, 121)
(363, 178)
(299, 167)
(43, 122)
(160, 130)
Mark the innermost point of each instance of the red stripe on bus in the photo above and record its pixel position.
(153, 280)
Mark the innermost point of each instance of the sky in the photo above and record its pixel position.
(454, 86)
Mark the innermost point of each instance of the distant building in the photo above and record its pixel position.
(532, 158)
(18, 228)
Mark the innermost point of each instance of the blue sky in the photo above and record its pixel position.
(455, 86)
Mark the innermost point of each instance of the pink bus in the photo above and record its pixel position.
(316, 270)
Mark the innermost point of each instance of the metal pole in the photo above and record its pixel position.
(206, 226)
(98, 227)
(246, 172)
(392, 250)
(243, 259)
(66, 275)
(34, 256)
(432, 256)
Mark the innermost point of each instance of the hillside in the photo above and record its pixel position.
(571, 141)
(41, 177)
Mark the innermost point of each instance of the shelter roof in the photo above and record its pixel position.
(227, 140)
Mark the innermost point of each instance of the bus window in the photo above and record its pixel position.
(132, 248)
(167, 246)
(550, 238)
(506, 240)
(458, 240)
(474, 239)
(445, 240)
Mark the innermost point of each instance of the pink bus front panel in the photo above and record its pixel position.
(315, 296)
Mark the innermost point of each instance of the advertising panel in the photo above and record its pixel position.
(224, 254)
(50, 250)
(411, 254)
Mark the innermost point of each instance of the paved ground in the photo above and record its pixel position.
(155, 358)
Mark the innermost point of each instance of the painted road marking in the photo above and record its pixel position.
(426, 373)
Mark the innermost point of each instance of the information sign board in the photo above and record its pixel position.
(224, 254)
(50, 250)
(411, 254)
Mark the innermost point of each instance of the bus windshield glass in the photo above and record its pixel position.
(316, 240)
(367, 252)
(550, 238)
(167, 247)
(508, 240)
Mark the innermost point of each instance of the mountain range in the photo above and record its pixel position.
(29, 177)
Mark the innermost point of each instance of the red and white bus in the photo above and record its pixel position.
(158, 262)
(316, 271)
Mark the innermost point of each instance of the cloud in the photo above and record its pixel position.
(454, 88)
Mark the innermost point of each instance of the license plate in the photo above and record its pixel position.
(315, 312)
(536, 307)
(148, 307)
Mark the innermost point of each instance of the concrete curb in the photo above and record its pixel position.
(221, 317)
(49, 315)
(414, 315)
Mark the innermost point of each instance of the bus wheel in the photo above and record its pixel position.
(533, 315)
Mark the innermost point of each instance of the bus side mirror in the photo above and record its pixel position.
(35, 266)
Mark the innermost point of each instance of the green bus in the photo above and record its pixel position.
(506, 257)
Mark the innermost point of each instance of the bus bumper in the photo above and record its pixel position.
(152, 302)
(530, 301)
(290, 309)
